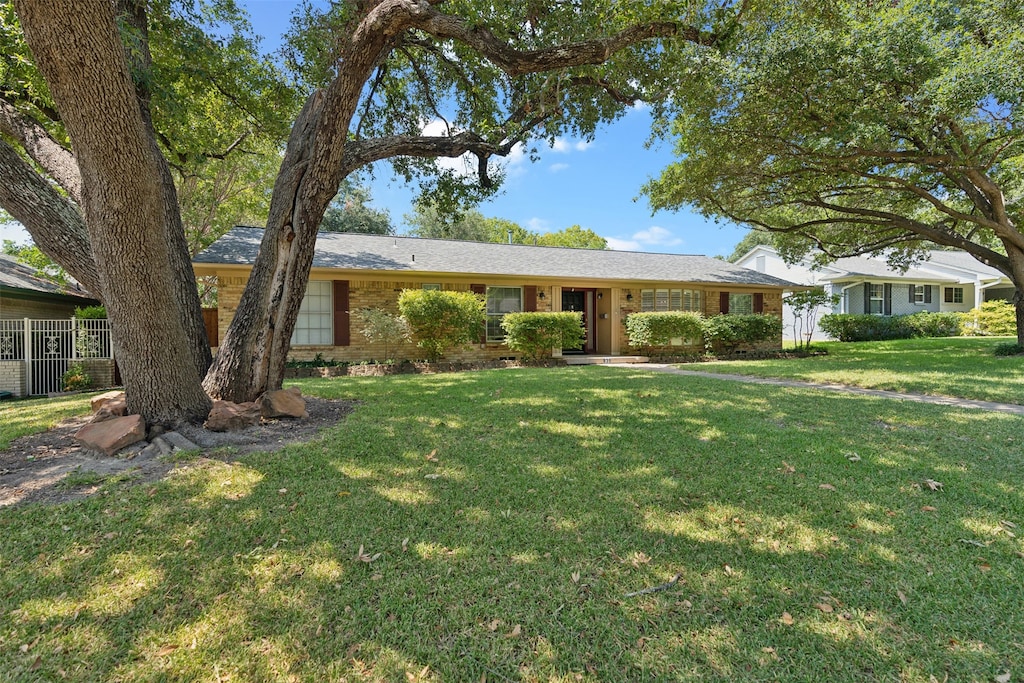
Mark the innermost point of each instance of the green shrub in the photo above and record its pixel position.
(76, 378)
(729, 331)
(91, 312)
(650, 329)
(441, 320)
(536, 334)
(1008, 349)
(382, 327)
(927, 324)
(849, 327)
(993, 318)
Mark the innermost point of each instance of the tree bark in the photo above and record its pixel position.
(124, 200)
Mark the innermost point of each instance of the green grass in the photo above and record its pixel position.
(23, 417)
(508, 513)
(965, 367)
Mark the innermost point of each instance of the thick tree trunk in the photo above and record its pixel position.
(1016, 275)
(80, 54)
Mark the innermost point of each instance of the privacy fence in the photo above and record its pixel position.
(35, 354)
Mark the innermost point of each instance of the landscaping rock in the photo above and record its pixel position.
(161, 443)
(102, 400)
(283, 403)
(179, 442)
(112, 435)
(226, 416)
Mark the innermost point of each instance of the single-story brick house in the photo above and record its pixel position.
(354, 271)
(25, 295)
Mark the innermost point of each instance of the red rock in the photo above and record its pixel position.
(111, 397)
(283, 403)
(110, 436)
(226, 416)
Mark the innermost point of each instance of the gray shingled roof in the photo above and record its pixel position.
(963, 260)
(16, 275)
(418, 255)
(858, 266)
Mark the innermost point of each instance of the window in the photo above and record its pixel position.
(918, 294)
(501, 300)
(670, 300)
(432, 286)
(741, 304)
(954, 295)
(315, 324)
(876, 299)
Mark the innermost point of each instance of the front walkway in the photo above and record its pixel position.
(1011, 408)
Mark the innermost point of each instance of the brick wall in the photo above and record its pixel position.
(12, 377)
(13, 308)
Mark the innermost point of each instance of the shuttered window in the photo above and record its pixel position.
(501, 300)
(315, 324)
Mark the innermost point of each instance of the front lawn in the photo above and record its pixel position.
(28, 416)
(952, 366)
(489, 526)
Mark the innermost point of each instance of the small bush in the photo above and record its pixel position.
(318, 361)
(382, 327)
(91, 312)
(441, 320)
(848, 327)
(1008, 349)
(729, 331)
(992, 318)
(927, 324)
(76, 378)
(536, 334)
(651, 329)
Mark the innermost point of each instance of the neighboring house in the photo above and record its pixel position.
(38, 336)
(25, 295)
(945, 281)
(353, 271)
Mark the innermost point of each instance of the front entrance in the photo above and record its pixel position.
(581, 301)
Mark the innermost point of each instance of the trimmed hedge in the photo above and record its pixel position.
(849, 327)
(441, 320)
(729, 331)
(536, 334)
(660, 328)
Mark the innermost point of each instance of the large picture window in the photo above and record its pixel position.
(315, 324)
(670, 300)
(501, 300)
(741, 304)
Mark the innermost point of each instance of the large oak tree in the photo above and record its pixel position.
(863, 127)
(496, 74)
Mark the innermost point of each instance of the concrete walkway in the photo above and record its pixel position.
(1011, 408)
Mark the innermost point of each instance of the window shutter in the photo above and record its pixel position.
(482, 291)
(530, 298)
(912, 289)
(758, 302)
(927, 294)
(887, 298)
(867, 297)
(341, 316)
(723, 302)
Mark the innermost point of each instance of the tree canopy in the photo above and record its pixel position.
(350, 211)
(861, 128)
(427, 221)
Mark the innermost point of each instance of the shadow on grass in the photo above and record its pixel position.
(491, 524)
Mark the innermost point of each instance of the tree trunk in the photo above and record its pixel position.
(124, 200)
(1016, 275)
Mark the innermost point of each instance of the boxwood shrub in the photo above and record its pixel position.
(649, 329)
(849, 327)
(441, 320)
(536, 334)
(728, 331)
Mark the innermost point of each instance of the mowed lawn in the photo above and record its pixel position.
(491, 526)
(964, 367)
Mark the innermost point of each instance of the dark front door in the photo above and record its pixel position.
(580, 301)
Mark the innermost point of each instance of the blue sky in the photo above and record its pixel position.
(594, 184)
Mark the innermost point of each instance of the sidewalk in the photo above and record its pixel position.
(1010, 408)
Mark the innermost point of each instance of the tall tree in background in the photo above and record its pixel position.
(350, 211)
(862, 128)
(575, 237)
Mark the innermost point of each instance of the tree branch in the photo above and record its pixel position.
(57, 161)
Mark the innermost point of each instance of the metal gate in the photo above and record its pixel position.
(49, 347)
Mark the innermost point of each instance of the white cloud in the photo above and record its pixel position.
(466, 165)
(555, 168)
(658, 236)
(654, 236)
(622, 245)
(565, 145)
(537, 225)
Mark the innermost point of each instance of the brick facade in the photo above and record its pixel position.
(611, 309)
(12, 377)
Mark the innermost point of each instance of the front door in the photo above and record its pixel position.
(581, 301)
